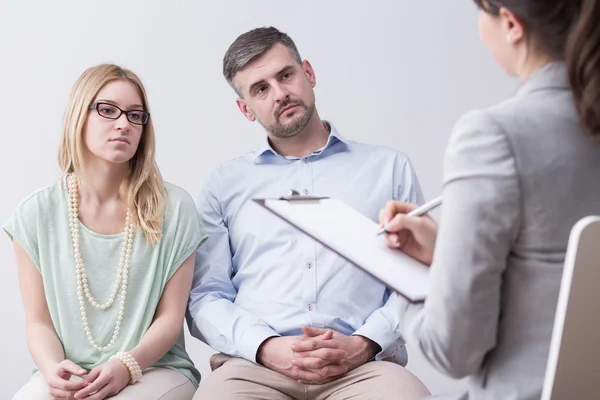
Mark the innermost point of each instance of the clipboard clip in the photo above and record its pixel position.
(293, 195)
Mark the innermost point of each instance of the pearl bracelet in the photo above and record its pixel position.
(134, 369)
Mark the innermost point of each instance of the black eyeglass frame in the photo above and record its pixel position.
(145, 115)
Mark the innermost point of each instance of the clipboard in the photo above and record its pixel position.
(353, 236)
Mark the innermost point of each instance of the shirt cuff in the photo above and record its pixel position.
(379, 331)
(251, 339)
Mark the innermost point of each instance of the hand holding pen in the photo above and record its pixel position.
(409, 230)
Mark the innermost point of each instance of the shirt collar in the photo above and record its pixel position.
(264, 152)
(551, 76)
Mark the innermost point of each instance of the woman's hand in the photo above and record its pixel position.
(415, 236)
(104, 381)
(58, 379)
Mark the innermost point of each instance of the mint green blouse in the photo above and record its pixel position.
(41, 226)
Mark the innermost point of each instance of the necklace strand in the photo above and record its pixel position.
(82, 281)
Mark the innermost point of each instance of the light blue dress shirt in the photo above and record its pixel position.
(257, 277)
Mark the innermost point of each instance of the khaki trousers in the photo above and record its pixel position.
(156, 384)
(237, 378)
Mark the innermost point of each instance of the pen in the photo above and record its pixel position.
(425, 208)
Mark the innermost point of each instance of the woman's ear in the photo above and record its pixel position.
(511, 26)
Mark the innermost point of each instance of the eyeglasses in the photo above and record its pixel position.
(111, 111)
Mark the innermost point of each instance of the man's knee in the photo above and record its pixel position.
(226, 380)
(394, 375)
(241, 379)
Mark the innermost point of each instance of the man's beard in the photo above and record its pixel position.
(284, 131)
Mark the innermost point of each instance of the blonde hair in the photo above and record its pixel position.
(143, 191)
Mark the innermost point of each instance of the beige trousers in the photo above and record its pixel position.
(156, 384)
(236, 378)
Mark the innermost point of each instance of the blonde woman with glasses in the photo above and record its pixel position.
(105, 256)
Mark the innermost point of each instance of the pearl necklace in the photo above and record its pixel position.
(82, 281)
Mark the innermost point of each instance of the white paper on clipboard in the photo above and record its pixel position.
(353, 236)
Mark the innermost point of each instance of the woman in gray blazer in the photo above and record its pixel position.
(517, 177)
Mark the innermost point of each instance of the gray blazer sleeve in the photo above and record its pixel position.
(456, 327)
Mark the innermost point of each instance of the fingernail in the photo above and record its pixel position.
(293, 362)
(293, 347)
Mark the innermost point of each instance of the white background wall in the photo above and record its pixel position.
(393, 72)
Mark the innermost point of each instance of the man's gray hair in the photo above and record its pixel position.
(251, 45)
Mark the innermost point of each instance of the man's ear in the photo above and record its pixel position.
(309, 72)
(241, 103)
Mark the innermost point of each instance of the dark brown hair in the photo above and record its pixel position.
(569, 30)
(251, 45)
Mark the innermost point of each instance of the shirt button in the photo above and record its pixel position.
(309, 265)
(306, 191)
(305, 160)
(309, 307)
